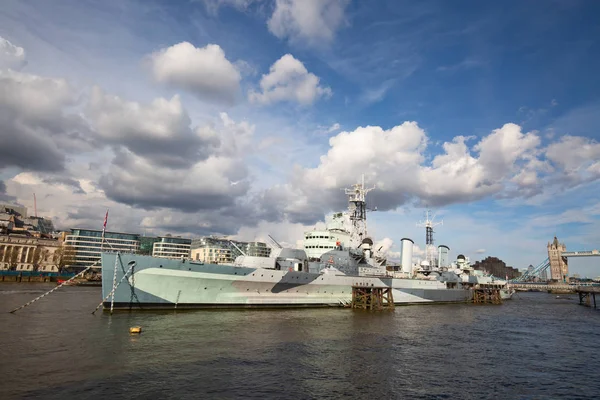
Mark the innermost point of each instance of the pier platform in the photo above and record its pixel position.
(372, 298)
(487, 296)
(587, 295)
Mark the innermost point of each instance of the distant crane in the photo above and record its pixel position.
(273, 241)
(34, 206)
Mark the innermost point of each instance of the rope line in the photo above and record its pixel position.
(112, 301)
(47, 293)
(112, 292)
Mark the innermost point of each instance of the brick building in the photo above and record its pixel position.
(496, 267)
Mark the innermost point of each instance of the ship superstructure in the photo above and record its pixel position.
(342, 229)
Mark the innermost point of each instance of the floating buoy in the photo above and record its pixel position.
(135, 329)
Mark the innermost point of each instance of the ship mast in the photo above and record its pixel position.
(430, 253)
(357, 210)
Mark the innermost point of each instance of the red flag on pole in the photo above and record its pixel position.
(105, 221)
(103, 230)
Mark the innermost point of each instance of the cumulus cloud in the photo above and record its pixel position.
(289, 80)
(505, 162)
(36, 131)
(206, 184)
(576, 157)
(11, 56)
(312, 22)
(160, 131)
(204, 71)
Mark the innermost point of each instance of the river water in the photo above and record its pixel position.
(534, 346)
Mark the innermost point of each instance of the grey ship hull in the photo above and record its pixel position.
(156, 283)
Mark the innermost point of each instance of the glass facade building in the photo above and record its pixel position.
(224, 251)
(147, 244)
(171, 247)
(87, 244)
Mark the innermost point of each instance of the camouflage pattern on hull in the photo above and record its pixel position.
(156, 283)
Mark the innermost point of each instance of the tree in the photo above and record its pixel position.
(64, 257)
(36, 258)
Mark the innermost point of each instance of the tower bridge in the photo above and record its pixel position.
(557, 262)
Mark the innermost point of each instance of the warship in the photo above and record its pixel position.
(288, 278)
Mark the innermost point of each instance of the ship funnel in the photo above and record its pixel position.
(443, 256)
(407, 254)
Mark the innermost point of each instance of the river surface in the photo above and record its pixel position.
(534, 346)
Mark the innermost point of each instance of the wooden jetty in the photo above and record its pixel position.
(372, 298)
(487, 296)
(587, 295)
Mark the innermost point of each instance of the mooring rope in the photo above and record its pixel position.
(112, 292)
(58, 287)
(117, 259)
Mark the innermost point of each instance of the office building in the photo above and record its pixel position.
(86, 244)
(171, 247)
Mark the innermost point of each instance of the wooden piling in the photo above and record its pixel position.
(487, 296)
(587, 296)
(372, 298)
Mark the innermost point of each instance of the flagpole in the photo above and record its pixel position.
(104, 230)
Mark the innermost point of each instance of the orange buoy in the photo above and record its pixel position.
(135, 329)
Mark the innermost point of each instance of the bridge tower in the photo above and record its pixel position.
(559, 268)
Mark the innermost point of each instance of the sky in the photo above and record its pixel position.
(244, 118)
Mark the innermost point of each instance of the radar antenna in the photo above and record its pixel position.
(430, 253)
(357, 210)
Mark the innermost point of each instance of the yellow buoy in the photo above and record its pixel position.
(135, 329)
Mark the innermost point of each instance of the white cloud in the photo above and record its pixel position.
(333, 128)
(373, 95)
(37, 130)
(289, 80)
(203, 71)
(159, 130)
(313, 22)
(576, 157)
(480, 251)
(11, 56)
(205, 183)
(322, 129)
(507, 162)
